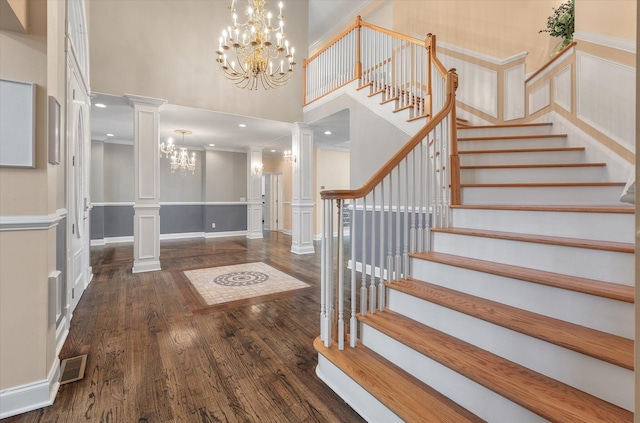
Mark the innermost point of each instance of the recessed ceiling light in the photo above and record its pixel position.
(102, 106)
(273, 151)
(242, 125)
(212, 145)
(327, 132)
(110, 135)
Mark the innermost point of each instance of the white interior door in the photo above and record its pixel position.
(276, 201)
(266, 202)
(77, 190)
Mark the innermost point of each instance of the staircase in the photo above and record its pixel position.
(523, 309)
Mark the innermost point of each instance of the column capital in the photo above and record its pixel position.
(135, 100)
(300, 126)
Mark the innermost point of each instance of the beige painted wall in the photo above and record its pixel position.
(174, 59)
(615, 18)
(27, 349)
(331, 172)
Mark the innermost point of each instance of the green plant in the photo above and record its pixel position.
(561, 22)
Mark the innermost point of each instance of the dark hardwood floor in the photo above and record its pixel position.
(150, 359)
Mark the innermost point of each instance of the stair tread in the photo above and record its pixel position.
(373, 94)
(363, 86)
(594, 287)
(600, 345)
(388, 100)
(547, 397)
(524, 150)
(546, 184)
(620, 247)
(550, 208)
(418, 117)
(529, 166)
(513, 137)
(408, 397)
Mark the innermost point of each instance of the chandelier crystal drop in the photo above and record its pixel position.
(257, 51)
(180, 158)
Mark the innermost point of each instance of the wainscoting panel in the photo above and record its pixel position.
(562, 88)
(604, 99)
(540, 97)
(480, 87)
(514, 96)
(118, 221)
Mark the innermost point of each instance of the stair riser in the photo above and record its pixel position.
(616, 227)
(512, 144)
(575, 195)
(353, 394)
(591, 311)
(556, 157)
(532, 175)
(481, 401)
(505, 132)
(583, 262)
(588, 374)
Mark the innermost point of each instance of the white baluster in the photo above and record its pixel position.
(398, 258)
(323, 274)
(353, 322)
(363, 258)
(372, 278)
(405, 226)
(330, 277)
(390, 268)
(413, 201)
(381, 288)
(341, 334)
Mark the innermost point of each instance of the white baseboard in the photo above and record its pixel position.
(183, 235)
(287, 231)
(30, 396)
(224, 234)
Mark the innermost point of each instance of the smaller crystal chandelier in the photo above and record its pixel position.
(256, 52)
(180, 159)
(168, 149)
(289, 157)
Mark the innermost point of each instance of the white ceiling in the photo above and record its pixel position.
(209, 127)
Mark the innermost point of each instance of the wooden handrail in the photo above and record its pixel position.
(412, 40)
(335, 40)
(396, 159)
(431, 47)
(550, 61)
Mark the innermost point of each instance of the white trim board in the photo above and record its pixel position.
(30, 396)
(31, 223)
(606, 41)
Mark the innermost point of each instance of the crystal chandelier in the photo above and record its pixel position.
(180, 159)
(256, 52)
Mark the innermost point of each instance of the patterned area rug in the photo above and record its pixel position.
(231, 286)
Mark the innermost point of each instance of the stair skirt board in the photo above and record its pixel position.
(352, 393)
(527, 175)
(605, 266)
(604, 380)
(595, 226)
(547, 195)
(603, 314)
(479, 400)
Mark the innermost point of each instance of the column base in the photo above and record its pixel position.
(140, 266)
(303, 249)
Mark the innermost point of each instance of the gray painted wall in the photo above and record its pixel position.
(226, 176)
(181, 218)
(118, 221)
(96, 223)
(182, 186)
(118, 173)
(97, 171)
(232, 217)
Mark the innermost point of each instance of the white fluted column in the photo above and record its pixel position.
(254, 193)
(146, 219)
(302, 192)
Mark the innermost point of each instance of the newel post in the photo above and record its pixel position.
(358, 69)
(429, 43)
(452, 86)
